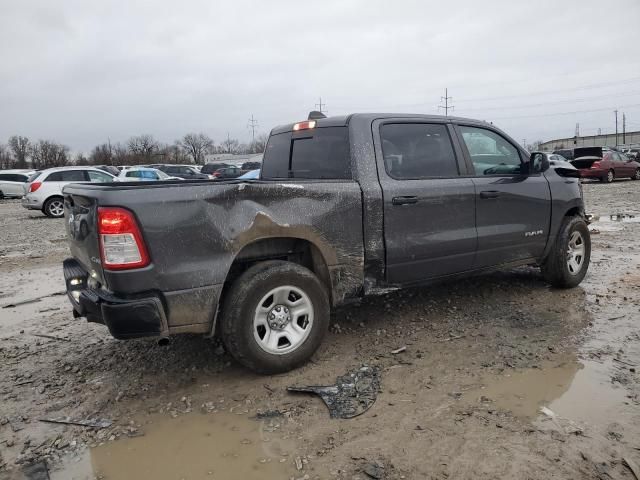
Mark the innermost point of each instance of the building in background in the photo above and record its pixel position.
(604, 140)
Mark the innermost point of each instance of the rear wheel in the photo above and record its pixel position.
(567, 263)
(54, 207)
(636, 175)
(275, 316)
(610, 176)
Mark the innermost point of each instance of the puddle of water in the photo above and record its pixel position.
(612, 222)
(194, 446)
(579, 391)
(524, 392)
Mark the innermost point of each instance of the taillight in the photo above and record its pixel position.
(121, 243)
(595, 165)
(34, 186)
(216, 174)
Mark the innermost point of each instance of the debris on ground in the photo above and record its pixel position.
(36, 471)
(399, 350)
(373, 470)
(89, 422)
(353, 394)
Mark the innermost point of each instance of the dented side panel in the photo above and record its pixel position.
(194, 232)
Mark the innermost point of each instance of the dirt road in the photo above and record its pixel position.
(463, 400)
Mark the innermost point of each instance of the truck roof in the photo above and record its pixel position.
(343, 120)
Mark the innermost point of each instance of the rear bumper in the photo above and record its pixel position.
(143, 316)
(31, 203)
(593, 172)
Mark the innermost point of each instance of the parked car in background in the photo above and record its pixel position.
(556, 161)
(251, 165)
(44, 190)
(604, 164)
(209, 168)
(13, 182)
(113, 170)
(565, 152)
(185, 172)
(633, 153)
(144, 174)
(228, 172)
(251, 175)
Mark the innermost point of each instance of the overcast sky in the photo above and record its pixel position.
(80, 72)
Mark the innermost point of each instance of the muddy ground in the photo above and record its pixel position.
(463, 400)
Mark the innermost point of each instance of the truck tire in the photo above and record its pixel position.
(54, 207)
(568, 262)
(274, 316)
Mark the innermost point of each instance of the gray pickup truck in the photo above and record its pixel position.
(344, 207)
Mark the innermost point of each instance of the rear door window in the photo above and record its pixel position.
(417, 150)
(321, 153)
(67, 176)
(491, 153)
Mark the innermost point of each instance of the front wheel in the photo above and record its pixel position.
(275, 317)
(567, 263)
(636, 175)
(54, 207)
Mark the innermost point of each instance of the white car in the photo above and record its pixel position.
(44, 191)
(144, 174)
(13, 182)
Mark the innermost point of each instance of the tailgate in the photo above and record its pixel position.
(81, 225)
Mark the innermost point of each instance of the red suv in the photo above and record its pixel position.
(604, 164)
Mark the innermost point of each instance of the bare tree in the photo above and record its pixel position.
(101, 154)
(20, 147)
(197, 145)
(229, 145)
(48, 154)
(143, 148)
(6, 159)
(258, 145)
(81, 159)
(120, 155)
(176, 154)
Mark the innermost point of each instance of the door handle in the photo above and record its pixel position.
(490, 194)
(404, 200)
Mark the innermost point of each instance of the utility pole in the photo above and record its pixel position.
(320, 106)
(616, 112)
(446, 100)
(624, 129)
(228, 143)
(253, 124)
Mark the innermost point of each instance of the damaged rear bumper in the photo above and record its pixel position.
(143, 316)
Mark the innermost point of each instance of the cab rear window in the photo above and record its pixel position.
(321, 153)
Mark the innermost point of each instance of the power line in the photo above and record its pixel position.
(253, 124)
(547, 92)
(565, 113)
(555, 102)
(446, 105)
(480, 99)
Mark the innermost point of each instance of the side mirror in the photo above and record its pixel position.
(538, 163)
